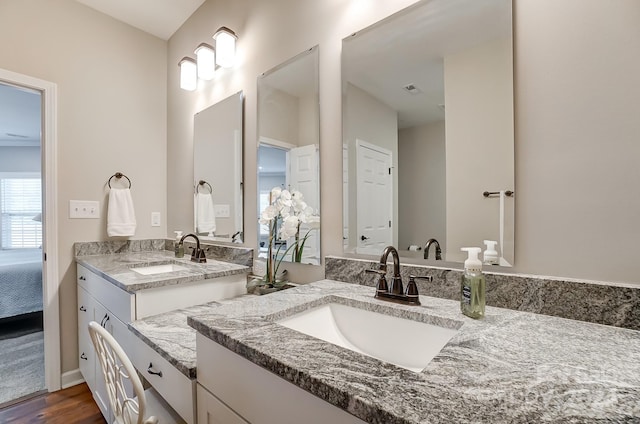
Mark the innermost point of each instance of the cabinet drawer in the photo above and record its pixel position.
(176, 388)
(212, 411)
(116, 300)
(86, 353)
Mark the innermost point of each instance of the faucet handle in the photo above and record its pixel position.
(382, 281)
(412, 287)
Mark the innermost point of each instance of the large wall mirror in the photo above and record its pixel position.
(288, 155)
(217, 169)
(428, 129)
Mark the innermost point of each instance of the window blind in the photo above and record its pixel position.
(20, 202)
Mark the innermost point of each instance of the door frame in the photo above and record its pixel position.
(50, 276)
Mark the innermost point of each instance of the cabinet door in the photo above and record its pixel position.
(213, 411)
(86, 353)
(102, 317)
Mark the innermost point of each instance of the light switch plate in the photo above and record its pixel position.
(222, 211)
(84, 209)
(155, 219)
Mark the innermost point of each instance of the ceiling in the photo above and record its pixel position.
(158, 17)
(20, 113)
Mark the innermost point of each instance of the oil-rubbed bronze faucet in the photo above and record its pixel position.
(427, 246)
(198, 254)
(397, 293)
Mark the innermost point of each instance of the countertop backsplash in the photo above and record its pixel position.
(615, 304)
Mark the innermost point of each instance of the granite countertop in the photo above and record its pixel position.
(509, 367)
(171, 337)
(116, 268)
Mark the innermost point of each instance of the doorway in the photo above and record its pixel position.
(29, 312)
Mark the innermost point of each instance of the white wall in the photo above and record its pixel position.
(577, 95)
(422, 186)
(479, 148)
(16, 159)
(111, 83)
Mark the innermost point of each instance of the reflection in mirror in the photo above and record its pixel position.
(410, 175)
(217, 171)
(288, 155)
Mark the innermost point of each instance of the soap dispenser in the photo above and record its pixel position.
(490, 254)
(178, 248)
(472, 285)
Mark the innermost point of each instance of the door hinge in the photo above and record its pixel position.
(389, 171)
(44, 257)
(389, 224)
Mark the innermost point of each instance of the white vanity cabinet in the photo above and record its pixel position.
(234, 390)
(112, 307)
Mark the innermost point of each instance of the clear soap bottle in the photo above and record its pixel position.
(472, 290)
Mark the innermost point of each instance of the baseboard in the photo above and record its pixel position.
(72, 378)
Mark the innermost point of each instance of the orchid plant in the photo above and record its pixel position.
(289, 208)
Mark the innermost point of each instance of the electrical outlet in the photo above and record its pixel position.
(84, 209)
(155, 219)
(222, 211)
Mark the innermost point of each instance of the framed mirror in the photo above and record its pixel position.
(289, 158)
(217, 169)
(428, 128)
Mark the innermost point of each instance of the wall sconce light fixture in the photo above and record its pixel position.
(188, 74)
(225, 47)
(206, 61)
(207, 58)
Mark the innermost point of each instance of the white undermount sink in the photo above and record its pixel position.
(158, 269)
(406, 343)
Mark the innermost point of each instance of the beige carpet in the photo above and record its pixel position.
(21, 366)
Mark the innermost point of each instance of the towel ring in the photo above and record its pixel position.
(118, 175)
(507, 193)
(203, 183)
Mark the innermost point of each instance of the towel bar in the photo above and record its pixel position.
(203, 183)
(507, 193)
(118, 175)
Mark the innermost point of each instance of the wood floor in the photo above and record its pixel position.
(72, 405)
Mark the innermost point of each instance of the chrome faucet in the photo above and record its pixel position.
(198, 254)
(427, 246)
(397, 293)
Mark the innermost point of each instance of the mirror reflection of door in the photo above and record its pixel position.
(375, 192)
(288, 150)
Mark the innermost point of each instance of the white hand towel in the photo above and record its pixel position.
(121, 218)
(205, 213)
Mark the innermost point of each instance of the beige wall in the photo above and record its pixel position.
(479, 149)
(111, 83)
(422, 186)
(269, 34)
(577, 94)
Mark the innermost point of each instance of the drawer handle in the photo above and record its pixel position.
(103, 323)
(83, 309)
(82, 278)
(83, 356)
(152, 372)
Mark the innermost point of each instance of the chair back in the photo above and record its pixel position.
(117, 369)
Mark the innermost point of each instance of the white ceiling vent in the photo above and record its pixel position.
(411, 89)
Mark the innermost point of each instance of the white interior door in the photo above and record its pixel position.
(345, 196)
(374, 208)
(304, 177)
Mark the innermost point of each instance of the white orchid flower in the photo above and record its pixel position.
(268, 214)
(275, 192)
(289, 227)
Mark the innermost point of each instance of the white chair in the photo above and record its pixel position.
(117, 369)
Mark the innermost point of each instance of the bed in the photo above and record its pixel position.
(20, 282)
